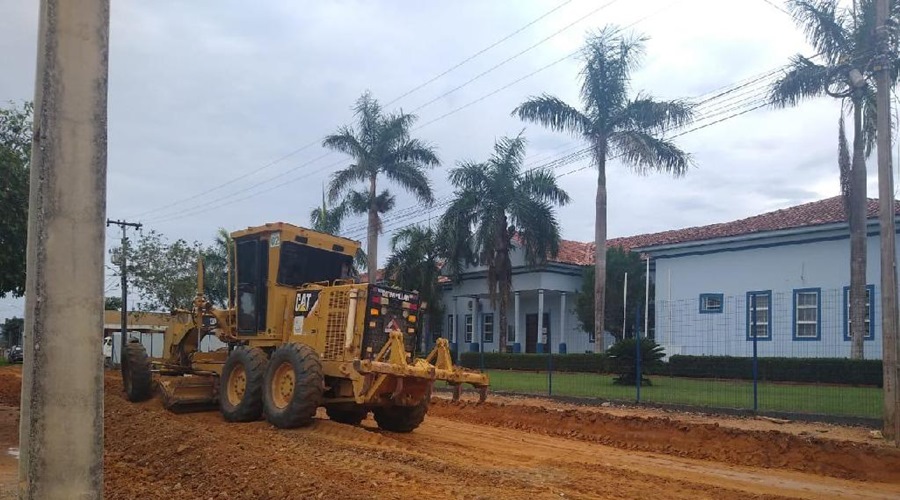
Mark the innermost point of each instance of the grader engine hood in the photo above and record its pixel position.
(387, 310)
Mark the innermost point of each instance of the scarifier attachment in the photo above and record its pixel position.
(189, 393)
(455, 376)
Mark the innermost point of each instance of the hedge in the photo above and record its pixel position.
(817, 370)
(589, 363)
(808, 370)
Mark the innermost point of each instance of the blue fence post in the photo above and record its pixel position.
(755, 358)
(550, 372)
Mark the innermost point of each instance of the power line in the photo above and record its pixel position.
(216, 203)
(515, 56)
(774, 6)
(482, 51)
(316, 141)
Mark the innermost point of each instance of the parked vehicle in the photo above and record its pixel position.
(16, 354)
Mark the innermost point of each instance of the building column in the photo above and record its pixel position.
(61, 428)
(476, 336)
(454, 334)
(540, 325)
(562, 322)
(517, 341)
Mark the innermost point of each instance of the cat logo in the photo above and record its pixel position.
(305, 302)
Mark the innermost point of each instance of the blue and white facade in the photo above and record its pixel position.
(541, 310)
(789, 286)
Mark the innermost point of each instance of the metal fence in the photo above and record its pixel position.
(764, 352)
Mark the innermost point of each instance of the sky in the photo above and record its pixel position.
(217, 108)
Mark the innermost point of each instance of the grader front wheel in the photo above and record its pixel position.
(347, 413)
(294, 385)
(401, 418)
(241, 385)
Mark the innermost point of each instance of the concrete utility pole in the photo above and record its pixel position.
(889, 309)
(123, 271)
(61, 430)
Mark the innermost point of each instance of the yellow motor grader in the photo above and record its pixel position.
(302, 333)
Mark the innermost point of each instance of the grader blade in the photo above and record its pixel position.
(189, 393)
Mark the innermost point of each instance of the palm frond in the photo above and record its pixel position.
(826, 25)
(384, 202)
(649, 115)
(844, 164)
(344, 141)
(606, 77)
(646, 153)
(357, 202)
(870, 119)
(537, 227)
(342, 180)
(553, 113)
(803, 79)
(468, 176)
(411, 176)
(541, 185)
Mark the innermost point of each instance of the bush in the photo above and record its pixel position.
(587, 363)
(815, 370)
(624, 356)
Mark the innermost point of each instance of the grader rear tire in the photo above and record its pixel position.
(401, 418)
(136, 373)
(293, 387)
(241, 385)
(347, 413)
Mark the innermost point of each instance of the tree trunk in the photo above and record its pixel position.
(600, 246)
(372, 241)
(504, 276)
(857, 222)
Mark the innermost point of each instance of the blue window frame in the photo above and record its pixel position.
(760, 302)
(807, 316)
(469, 329)
(870, 306)
(451, 332)
(711, 303)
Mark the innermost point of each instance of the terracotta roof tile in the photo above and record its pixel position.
(827, 211)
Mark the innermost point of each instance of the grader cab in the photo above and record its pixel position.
(301, 333)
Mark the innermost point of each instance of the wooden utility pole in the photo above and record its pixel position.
(889, 309)
(61, 429)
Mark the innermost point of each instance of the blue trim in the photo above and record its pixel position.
(768, 314)
(473, 347)
(871, 334)
(517, 347)
(466, 319)
(562, 348)
(798, 291)
(676, 254)
(720, 296)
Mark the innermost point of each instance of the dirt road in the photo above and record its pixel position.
(491, 452)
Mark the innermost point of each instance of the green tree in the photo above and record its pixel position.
(380, 145)
(618, 262)
(12, 331)
(112, 304)
(163, 274)
(615, 126)
(414, 264)
(15, 154)
(218, 261)
(493, 203)
(845, 40)
(330, 220)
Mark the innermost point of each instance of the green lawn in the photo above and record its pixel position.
(797, 398)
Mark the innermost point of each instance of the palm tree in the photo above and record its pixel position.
(414, 264)
(615, 126)
(218, 261)
(494, 202)
(329, 220)
(381, 144)
(845, 40)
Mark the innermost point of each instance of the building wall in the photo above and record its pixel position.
(821, 263)
(554, 280)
